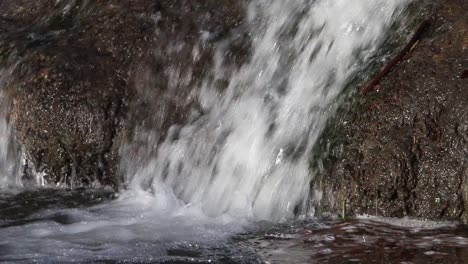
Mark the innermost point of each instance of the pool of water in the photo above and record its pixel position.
(370, 240)
(97, 226)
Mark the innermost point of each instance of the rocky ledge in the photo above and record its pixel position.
(80, 75)
(402, 147)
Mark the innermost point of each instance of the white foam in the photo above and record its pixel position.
(413, 223)
(248, 156)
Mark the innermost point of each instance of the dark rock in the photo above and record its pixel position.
(18, 209)
(403, 150)
(79, 71)
(464, 74)
(180, 58)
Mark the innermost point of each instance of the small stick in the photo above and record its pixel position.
(389, 67)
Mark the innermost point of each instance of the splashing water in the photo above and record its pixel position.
(10, 163)
(248, 156)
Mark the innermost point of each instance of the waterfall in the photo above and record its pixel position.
(248, 154)
(10, 163)
(5, 173)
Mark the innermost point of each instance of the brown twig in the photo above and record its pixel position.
(389, 67)
(464, 75)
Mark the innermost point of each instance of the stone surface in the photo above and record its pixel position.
(79, 70)
(402, 150)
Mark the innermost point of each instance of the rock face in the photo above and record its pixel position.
(402, 150)
(77, 66)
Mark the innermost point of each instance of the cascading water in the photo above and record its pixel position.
(245, 159)
(10, 167)
(249, 154)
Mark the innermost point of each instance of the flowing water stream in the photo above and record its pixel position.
(234, 185)
(249, 154)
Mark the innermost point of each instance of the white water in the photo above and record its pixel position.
(245, 159)
(132, 229)
(9, 156)
(248, 156)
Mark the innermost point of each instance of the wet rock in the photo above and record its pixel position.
(17, 208)
(79, 86)
(180, 59)
(403, 150)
